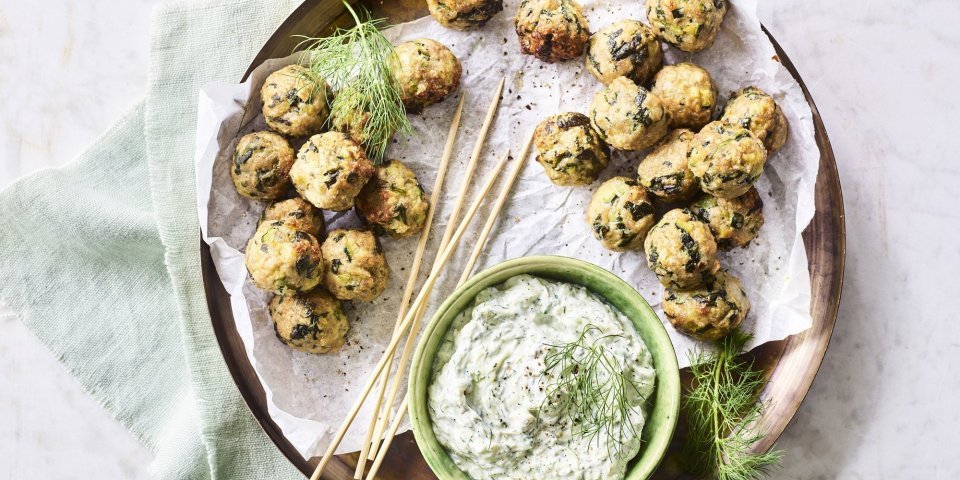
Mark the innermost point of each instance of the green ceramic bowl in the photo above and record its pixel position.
(662, 420)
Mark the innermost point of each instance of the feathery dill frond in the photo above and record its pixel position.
(721, 408)
(359, 63)
(592, 387)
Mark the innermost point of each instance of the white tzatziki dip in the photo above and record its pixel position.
(487, 397)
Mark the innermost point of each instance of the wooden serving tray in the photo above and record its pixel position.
(790, 365)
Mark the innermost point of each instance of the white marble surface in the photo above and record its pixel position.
(883, 73)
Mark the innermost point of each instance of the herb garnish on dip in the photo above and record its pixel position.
(541, 379)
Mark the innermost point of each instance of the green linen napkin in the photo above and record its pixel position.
(101, 257)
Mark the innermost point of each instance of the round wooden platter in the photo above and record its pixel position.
(790, 365)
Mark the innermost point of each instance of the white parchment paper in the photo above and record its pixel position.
(309, 395)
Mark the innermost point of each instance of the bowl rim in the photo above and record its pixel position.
(667, 393)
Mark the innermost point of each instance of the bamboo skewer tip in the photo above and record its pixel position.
(491, 219)
(381, 425)
(372, 435)
(402, 326)
(414, 314)
(438, 264)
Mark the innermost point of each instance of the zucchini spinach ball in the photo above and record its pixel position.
(283, 260)
(261, 166)
(311, 322)
(627, 116)
(664, 172)
(726, 158)
(570, 150)
(627, 48)
(354, 265)
(295, 213)
(352, 124)
(734, 222)
(681, 250)
(428, 72)
(294, 101)
(688, 93)
(754, 109)
(330, 171)
(551, 30)
(393, 202)
(463, 14)
(710, 311)
(690, 25)
(620, 214)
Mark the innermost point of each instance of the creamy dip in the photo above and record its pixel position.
(486, 397)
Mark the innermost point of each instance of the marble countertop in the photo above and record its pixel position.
(883, 74)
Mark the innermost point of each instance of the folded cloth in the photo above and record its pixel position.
(101, 257)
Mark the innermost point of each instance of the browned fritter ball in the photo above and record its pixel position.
(463, 14)
(570, 150)
(734, 222)
(330, 171)
(690, 25)
(681, 250)
(688, 93)
(354, 265)
(627, 116)
(551, 30)
(295, 101)
(710, 311)
(428, 72)
(620, 214)
(283, 260)
(353, 125)
(393, 202)
(665, 173)
(295, 213)
(261, 166)
(757, 111)
(311, 322)
(626, 48)
(726, 158)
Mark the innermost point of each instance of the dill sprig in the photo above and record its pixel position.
(592, 388)
(721, 408)
(358, 63)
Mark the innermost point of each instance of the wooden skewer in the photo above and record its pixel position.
(491, 220)
(474, 156)
(418, 319)
(414, 273)
(407, 320)
(451, 222)
(389, 439)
